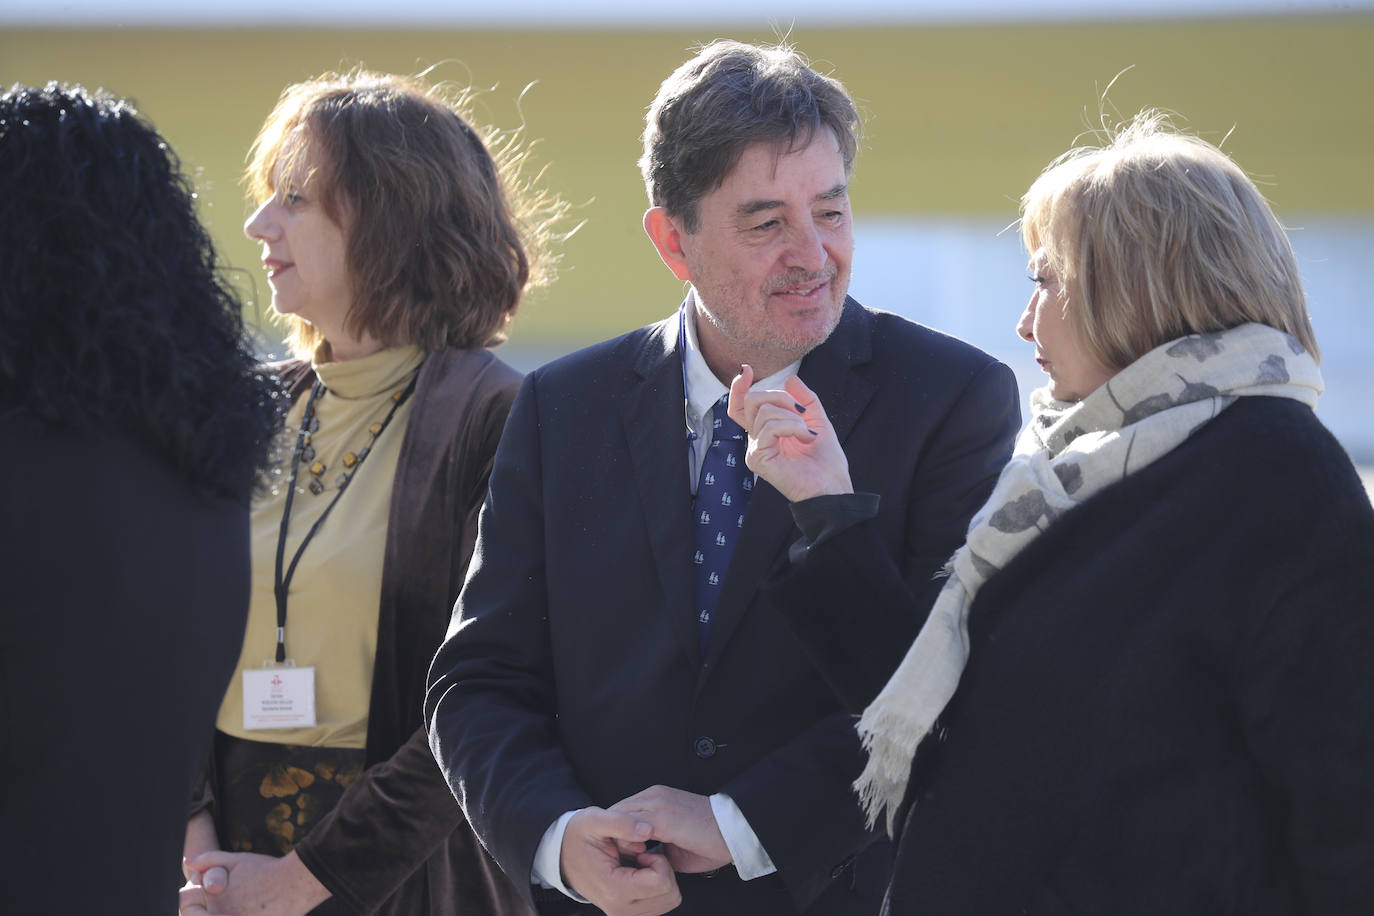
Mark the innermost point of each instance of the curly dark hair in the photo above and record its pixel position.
(113, 311)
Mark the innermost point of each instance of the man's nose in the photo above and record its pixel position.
(806, 248)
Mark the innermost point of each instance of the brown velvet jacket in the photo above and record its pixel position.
(397, 842)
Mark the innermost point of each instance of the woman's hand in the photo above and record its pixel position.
(201, 886)
(263, 885)
(791, 442)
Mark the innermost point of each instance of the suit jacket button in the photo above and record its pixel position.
(705, 748)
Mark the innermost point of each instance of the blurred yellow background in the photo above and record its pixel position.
(959, 119)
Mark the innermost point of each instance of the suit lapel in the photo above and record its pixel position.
(768, 527)
(656, 434)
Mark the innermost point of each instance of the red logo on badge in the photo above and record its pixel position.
(276, 682)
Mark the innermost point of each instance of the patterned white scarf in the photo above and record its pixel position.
(1066, 454)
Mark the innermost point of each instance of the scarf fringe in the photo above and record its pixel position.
(885, 735)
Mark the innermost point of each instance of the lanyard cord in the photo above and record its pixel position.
(309, 424)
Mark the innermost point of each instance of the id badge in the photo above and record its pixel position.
(276, 697)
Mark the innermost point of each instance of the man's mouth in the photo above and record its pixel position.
(804, 287)
(803, 291)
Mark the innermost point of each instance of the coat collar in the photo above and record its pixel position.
(654, 416)
(655, 430)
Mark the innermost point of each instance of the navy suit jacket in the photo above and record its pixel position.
(571, 675)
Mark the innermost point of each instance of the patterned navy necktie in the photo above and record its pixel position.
(718, 512)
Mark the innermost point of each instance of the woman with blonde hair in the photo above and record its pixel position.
(397, 244)
(1145, 685)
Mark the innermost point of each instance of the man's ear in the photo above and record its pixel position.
(666, 235)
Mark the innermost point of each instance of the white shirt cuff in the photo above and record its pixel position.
(750, 858)
(547, 872)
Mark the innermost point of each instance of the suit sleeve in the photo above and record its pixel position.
(857, 653)
(490, 706)
(855, 570)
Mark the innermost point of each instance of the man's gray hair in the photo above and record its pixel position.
(728, 96)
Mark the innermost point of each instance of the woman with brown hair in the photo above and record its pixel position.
(398, 245)
(1145, 686)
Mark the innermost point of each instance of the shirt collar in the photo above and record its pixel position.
(703, 388)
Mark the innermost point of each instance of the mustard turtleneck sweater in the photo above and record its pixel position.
(332, 604)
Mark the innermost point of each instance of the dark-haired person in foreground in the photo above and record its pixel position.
(133, 429)
(611, 680)
(398, 242)
(1151, 662)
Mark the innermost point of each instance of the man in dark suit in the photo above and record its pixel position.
(624, 718)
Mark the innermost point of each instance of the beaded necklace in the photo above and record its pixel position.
(305, 454)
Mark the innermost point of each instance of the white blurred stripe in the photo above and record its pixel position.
(627, 14)
(967, 277)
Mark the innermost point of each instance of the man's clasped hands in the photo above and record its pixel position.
(625, 859)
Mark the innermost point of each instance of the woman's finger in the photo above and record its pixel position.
(772, 422)
(804, 396)
(215, 879)
(191, 901)
(739, 390)
(745, 405)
